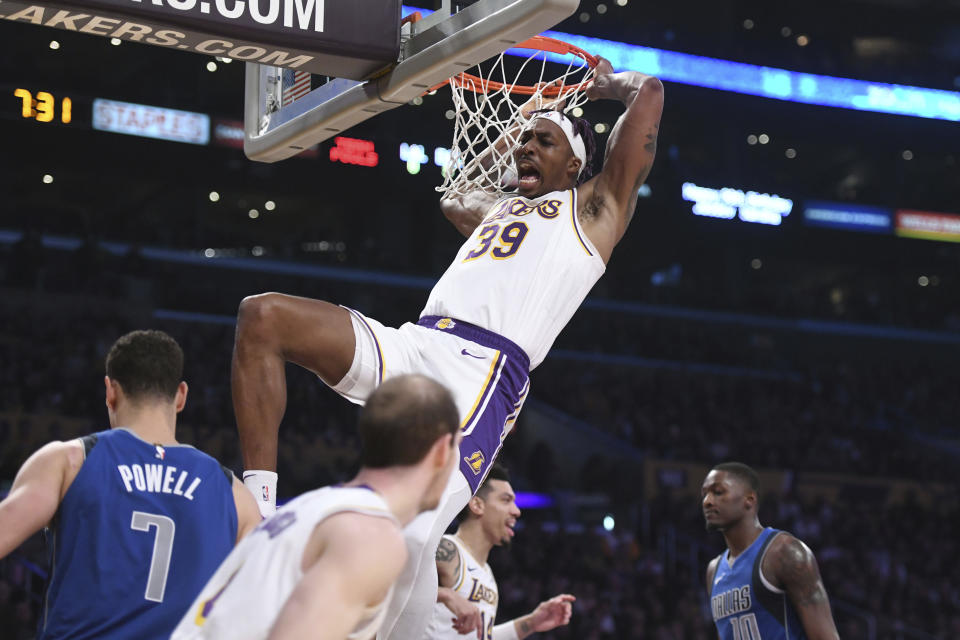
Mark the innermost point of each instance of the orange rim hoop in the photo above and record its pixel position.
(547, 89)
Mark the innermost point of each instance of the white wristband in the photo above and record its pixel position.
(505, 631)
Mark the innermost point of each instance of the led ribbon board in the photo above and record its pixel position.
(728, 203)
(845, 215)
(346, 39)
(928, 225)
(151, 122)
(767, 82)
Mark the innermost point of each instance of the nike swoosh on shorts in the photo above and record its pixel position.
(464, 352)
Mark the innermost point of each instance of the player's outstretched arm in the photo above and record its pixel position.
(248, 513)
(37, 491)
(608, 200)
(548, 615)
(350, 563)
(792, 564)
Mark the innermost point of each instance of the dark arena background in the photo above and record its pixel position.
(787, 295)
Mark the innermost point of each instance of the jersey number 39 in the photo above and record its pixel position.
(508, 240)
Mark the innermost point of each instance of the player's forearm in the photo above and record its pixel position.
(818, 623)
(445, 596)
(628, 86)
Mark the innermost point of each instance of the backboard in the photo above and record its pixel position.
(431, 51)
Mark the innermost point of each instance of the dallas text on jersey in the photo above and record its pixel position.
(730, 602)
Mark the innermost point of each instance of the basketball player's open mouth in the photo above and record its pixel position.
(528, 176)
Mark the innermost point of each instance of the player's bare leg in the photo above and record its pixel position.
(273, 329)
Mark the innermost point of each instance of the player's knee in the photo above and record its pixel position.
(257, 318)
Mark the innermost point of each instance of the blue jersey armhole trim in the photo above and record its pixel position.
(772, 602)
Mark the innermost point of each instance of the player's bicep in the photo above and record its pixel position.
(448, 563)
(362, 557)
(35, 495)
(796, 568)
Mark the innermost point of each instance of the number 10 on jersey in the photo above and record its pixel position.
(745, 627)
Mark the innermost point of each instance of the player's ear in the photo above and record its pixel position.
(477, 505)
(111, 393)
(573, 166)
(751, 500)
(180, 399)
(441, 451)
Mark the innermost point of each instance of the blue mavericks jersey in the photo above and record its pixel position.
(138, 534)
(744, 605)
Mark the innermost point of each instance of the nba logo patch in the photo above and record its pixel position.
(266, 493)
(160, 452)
(445, 323)
(475, 460)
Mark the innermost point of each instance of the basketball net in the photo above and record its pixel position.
(491, 109)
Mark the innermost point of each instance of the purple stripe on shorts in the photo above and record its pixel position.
(481, 336)
(500, 400)
(491, 384)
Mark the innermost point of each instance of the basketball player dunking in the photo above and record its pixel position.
(529, 261)
(766, 584)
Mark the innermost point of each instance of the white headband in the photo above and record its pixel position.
(575, 139)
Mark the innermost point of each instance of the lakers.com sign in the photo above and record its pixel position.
(342, 38)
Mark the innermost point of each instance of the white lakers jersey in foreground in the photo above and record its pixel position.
(242, 599)
(475, 582)
(522, 273)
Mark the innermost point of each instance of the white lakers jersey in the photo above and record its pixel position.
(522, 273)
(243, 598)
(475, 582)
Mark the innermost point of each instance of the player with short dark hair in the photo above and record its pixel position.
(468, 596)
(323, 566)
(139, 522)
(767, 583)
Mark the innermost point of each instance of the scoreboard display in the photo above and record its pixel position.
(39, 105)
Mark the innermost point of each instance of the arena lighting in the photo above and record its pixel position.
(727, 203)
(441, 156)
(768, 82)
(354, 151)
(414, 155)
(526, 500)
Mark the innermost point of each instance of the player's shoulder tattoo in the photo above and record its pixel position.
(446, 551)
(796, 568)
